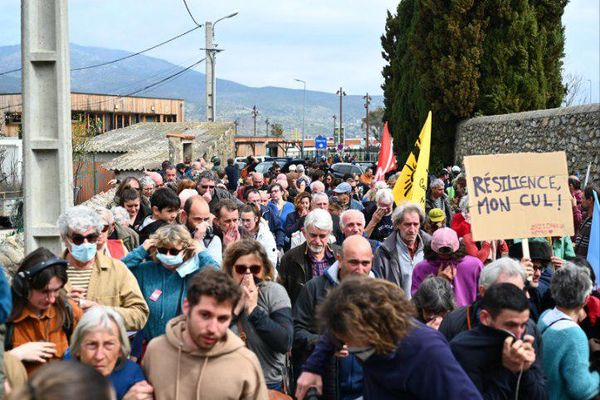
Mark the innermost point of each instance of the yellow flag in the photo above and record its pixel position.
(412, 182)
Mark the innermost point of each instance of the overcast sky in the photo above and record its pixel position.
(327, 43)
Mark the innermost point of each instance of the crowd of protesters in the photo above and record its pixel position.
(208, 282)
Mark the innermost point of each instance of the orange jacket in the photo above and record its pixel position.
(30, 327)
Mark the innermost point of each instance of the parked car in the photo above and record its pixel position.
(340, 169)
(264, 167)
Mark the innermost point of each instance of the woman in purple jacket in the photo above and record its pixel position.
(445, 257)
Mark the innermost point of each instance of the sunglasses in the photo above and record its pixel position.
(207, 186)
(79, 239)
(171, 252)
(242, 269)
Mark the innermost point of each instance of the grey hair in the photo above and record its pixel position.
(121, 216)
(79, 219)
(208, 175)
(570, 286)
(402, 210)
(381, 185)
(300, 168)
(106, 216)
(507, 266)
(435, 294)
(348, 212)
(99, 318)
(315, 196)
(385, 195)
(435, 183)
(319, 219)
(146, 180)
(315, 183)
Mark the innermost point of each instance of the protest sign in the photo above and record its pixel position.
(519, 195)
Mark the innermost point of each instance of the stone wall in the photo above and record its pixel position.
(575, 130)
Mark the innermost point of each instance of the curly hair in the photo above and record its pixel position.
(243, 248)
(185, 184)
(298, 199)
(372, 311)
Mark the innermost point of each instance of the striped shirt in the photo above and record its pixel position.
(80, 278)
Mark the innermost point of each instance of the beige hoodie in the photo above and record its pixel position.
(177, 372)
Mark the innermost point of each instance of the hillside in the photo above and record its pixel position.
(234, 100)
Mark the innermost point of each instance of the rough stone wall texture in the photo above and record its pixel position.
(575, 130)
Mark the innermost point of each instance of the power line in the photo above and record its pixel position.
(190, 13)
(121, 58)
(155, 84)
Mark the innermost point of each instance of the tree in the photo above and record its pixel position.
(375, 122)
(574, 90)
(276, 129)
(461, 58)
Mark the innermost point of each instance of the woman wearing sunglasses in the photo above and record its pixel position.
(263, 316)
(162, 265)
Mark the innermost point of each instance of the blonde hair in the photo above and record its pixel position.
(173, 235)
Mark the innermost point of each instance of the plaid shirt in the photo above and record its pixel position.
(319, 266)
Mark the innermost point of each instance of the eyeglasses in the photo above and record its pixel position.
(171, 252)
(243, 269)
(207, 186)
(79, 239)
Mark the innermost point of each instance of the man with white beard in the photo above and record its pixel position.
(312, 257)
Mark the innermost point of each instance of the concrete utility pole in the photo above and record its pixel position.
(235, 126)
(46, 90)
(254, 115)
(367, 102)
(211, 79)
(267, 123)
(341, 93)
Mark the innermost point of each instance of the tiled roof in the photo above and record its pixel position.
(145, 145)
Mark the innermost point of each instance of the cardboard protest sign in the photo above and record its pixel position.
(519, 195)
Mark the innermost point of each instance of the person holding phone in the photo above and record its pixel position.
(498, 355)
(263, 316)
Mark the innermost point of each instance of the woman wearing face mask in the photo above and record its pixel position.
(173, 258)
(263, 316)
(258, 230)
(42, 318)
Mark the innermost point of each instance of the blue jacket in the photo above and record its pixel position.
(287, 209)
(5, 297)
(275, 226)
(124, 376)
(164, 290)
(421, 367)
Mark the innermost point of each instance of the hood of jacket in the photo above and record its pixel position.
(174, 335)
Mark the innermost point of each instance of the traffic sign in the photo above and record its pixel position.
(320, 143)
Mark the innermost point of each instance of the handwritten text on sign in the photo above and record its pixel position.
(519, 195)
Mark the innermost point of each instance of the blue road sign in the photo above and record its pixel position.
(320, 143)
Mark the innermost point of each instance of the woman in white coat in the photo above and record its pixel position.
(258, 229)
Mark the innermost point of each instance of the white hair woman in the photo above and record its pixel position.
(100, 341)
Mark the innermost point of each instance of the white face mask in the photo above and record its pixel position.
(362, 353)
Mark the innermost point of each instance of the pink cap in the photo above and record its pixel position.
(444, 241)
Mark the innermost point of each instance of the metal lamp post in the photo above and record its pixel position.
(303, 115)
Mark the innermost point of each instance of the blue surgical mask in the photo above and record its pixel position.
(188, 267)
(84, 252)
(169, 260)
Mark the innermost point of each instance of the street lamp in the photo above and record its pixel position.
(341, 93)
(303, 114)
(210, 67)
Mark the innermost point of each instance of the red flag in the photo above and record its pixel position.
(387, 159)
